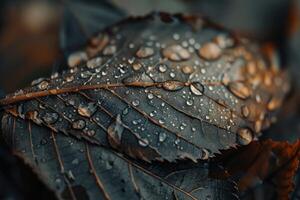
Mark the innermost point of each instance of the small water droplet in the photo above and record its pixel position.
(135, 102)
(93, 63)
(189, 102)
(177, 141)
(143, 142)
(136, 66)
(187, 69)
(75, 161)
(162, 68)
(43, 85)
(162, 137)
(78, 124)
(150, 96)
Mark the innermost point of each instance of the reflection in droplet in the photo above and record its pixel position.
(197, 88)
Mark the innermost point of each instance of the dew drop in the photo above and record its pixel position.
(136, 66)
(135, 102)
(144, 52)
(189, 102)
(76, 58)
(187, 69)
(109, 50)
(43, 85)
(197, 88)
(79, 124)
(172, 85)
(210, 51)
(162, 68)
(150, 96)
(245, 111)
(177, 141)
(143, 142)
(93, 63)
(176, 53)
(240, 90)
(162, 137)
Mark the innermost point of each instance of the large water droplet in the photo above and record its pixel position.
(172, 85)
(176, 53)
(245, 111)
(197, 88)
(210, 51)
(240, 89)
(43, 85)
(144, 52)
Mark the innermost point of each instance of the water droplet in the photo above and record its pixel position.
(76, 58)
(176, 53)
(274, 103)
(109, 50)
(143, 142)
(43, 85)
(162, 137)
(258, 126)
(245, 136)
(93, 63)
(240, 90)
(69, 78)
(177, 141)
(150, 96)
(79, 124)
(144, 52)
(187, 69)
(205, 154)
(136, 66)
(49, 117)
(135, 102)
(162, 68)
(245, 111)
(197, 88)
(172, 75)
(172, 85)
(161, 121)
(189, 102)
(210, 51)
(87, 110)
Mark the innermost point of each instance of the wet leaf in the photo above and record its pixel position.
(77, 169)
(165, 114)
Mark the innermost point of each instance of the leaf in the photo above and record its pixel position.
(170, 103)
(268, 162)
(18, 181)
(69, 166)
